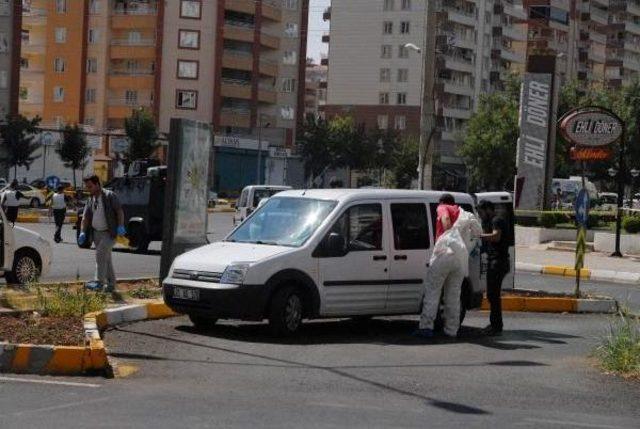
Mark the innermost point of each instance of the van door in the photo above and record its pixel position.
(356, 283)
(410, 254)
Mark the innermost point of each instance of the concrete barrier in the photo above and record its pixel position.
(529, 235)
(606, 242)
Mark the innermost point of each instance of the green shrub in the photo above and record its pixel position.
(593, 221)
(551, 219)
(620, 348)
(631, 224)
(63, 302)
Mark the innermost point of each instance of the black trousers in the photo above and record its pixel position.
(12, 214)
(496, 272)
(58, 217)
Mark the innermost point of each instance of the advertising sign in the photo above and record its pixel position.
(591, 128)
(535, 116)
(590, 153)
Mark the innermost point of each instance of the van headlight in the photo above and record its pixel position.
(234, 274)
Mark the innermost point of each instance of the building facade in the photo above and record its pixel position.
(315, 96)
(10, 18)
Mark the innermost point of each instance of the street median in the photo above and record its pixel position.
(542, 302)
(585, 274)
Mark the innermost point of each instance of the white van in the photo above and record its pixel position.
(317, 254)
(250, 198)
(25, 255)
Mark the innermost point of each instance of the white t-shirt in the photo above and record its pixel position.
(10, 199)
(99, 218)
(57, 201)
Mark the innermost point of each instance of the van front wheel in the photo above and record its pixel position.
(286, 311)
(200, 322)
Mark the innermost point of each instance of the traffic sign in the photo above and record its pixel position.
(582, 207)
(52, 182)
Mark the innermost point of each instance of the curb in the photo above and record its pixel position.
(585, 273)
(89, 359)
(555, 304)
(221, 210)
(44, 219)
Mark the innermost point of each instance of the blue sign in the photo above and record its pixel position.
(52, 182)
(582, 207)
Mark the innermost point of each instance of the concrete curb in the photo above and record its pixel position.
(538, 304)
(585, 273)
(44, 219)
(88, 359)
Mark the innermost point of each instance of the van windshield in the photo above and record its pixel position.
(283, 221)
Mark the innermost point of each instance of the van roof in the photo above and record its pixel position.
(284, 188)
(372, 194)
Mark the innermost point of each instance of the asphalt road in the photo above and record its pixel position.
(338, 374)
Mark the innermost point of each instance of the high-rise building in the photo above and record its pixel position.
(10, 17)
(623, 41)
(315, 96)
(375, 76)
(238, 64)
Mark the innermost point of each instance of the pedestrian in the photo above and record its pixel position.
(59, 209)
(448, 267)
(496, 238)
(11, 201)
(103, 215)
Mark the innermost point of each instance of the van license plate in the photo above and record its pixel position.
(186, 294)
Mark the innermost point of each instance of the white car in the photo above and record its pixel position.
(315, 254)
(250, 199)
(31, 196)
(26, 255)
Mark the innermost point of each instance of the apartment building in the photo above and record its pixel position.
(10, 18)
(315, 97)
(238, 64)
(623, 42)
(89, 62)
(375, 77)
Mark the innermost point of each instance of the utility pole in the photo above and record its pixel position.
(427, 104)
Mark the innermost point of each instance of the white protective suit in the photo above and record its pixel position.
(448, 267)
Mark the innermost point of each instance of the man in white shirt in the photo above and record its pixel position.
(59, 209)
(11, 201)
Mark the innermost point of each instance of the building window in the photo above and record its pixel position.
(131, 97)
(132, 66)
(287, 112)
(383, 98)
(288, 84)
(401, 98)
(406, 4)
(404, 27)
(387, 27)
(388, 5)
(190, 9)
(4, 42)
(94, 35)
(61, 34)
(58, 65)
(94, 7)
(4, 79)
(186, 99)
(403, 51)
(90, 96)
(383, 122)
(61, 6)
(291, 4)
(403, 75)
(189, 39)
(385, 51)
(385, 75)
(188, 69)
(58, 94)
(92, 65)
(291, 30)
(401, 123)
(290, 58)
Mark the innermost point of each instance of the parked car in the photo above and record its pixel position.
(608, 201)
(213, 199)
(318, 253)
(31, 196)
(26, 255)
(250, 199)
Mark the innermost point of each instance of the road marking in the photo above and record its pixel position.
(60, 407)
(59, 383)
(575, 424)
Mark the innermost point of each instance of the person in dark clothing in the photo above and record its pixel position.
(496, 239)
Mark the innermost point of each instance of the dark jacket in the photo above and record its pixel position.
(111, 208)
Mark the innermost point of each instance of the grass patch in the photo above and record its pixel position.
(145, 292)
(619, 351)
(66, 302)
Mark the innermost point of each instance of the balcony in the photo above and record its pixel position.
(269, 40)
(458, 64)
(458, 88)
(632, 46)
(242, 6)
(511, 55)
(139, 79)
(231, 117)
(631, 64)
(237, 60)
(460, 17)
(633, 7)
(237, 30)
(597, 57)
(632, 27)
(137, 18)
(604, 3)
(561, 4)
(515, 10)
(34, 17)
(31, 101)
(33, 47)
(451, 135)
(127, 49)
(271, 10)
(267, 94)
(234, 88)
(268, 68)
(514, 33)
(599, 16)
(32, 71)
(456, 112)
(121, 108)
(463, 43)
(598, 37)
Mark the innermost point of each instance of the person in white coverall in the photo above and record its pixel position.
(448, 267)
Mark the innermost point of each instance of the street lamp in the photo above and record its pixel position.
(259, 166)
(613, 173)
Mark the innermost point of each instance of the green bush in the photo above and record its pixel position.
(63, 302)
(551, 219)
(594, 220)
(620, 348)
(631, 224)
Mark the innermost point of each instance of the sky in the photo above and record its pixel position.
(317, 27)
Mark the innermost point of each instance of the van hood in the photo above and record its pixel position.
(217, 256)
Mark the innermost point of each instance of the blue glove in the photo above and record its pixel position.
(121, 231)
(82, 238)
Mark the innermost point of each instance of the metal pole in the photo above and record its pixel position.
(259, 166)
(621, 173)
(44, 161)
(427, 120)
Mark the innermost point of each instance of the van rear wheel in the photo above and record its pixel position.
(286, 312)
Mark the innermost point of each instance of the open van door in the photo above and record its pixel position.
(503, 202)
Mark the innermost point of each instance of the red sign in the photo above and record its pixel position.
(581, 153)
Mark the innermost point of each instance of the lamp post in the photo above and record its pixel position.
(618, 173)
(259, 166)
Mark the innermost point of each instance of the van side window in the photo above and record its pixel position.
(410, 226)
(243, 199)
(361, 226)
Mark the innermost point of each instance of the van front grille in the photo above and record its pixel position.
(200, 276)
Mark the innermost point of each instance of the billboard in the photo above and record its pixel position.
(536, 100)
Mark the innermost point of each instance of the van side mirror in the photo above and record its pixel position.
(335, 245)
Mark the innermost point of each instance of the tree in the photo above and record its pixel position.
(315, 146)
(142, 133)
(489, 147)
(73, 149)
(403, 162)
(18, 135)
